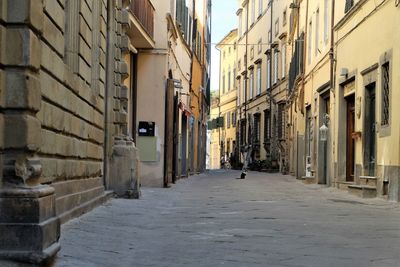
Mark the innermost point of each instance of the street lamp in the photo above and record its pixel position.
(323, 137)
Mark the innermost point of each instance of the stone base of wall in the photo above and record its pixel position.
(124, 177)
(29, 228)
(75, 197)
(388, 182)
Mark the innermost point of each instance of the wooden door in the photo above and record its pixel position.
(350, 155)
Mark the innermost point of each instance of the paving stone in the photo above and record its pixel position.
(215, 219)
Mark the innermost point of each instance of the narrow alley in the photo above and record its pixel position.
(214, 219)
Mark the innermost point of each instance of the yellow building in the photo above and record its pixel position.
(227, 95)
(366, 131)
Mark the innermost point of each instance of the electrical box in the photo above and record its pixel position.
(146, 128)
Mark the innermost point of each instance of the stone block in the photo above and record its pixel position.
(55, 10)
(102, 87)
(29, 229)
(102, 76)
(118, 55)
(25, 11)
(124, 92)
(22, 131)
(86, 13)
(116, 105)
(125, 17)
(53, 35)
(94, 151)
(85, 31)
(21, 91)
(125, 43)
(85, 51)
(22, 48)
(84, 70)
(117, 78)
(3, 10)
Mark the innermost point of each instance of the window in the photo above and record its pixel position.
(233, 119)
(238, 92)
(385, 94)
(316, 32)
(276, 61)
(309, 42)
(269, 36)
(229, 80)
(251, 81)
(240, 24)
(228, 120)
(253, 11)
(233, 78)
(223, 84)
(269, 72)
(239, 65)
(283, 60)
(281, 121)
(284, 17)
(259, 46)
(257, 118)
(276, 27)
(258, 74)
(348, 6)
(244, 96)
(326, 23)
(267, 123)
(260, 7)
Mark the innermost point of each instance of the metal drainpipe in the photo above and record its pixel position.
(110, 53)
(270, 79)
(246, 78)
(331, 52)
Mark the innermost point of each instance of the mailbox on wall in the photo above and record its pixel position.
(146, 128)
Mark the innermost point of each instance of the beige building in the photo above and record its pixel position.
(214, 133)
(262, 80)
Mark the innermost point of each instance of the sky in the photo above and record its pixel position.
(223, 20)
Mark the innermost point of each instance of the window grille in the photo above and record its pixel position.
(385, 93)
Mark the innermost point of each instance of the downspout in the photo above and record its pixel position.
(246, 78)
(109, 85)
(301, 108)
(333, 84)
(331, 52)
(270, 79)
(191, 81)
(304, 57)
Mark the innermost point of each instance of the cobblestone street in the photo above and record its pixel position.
(215, 219)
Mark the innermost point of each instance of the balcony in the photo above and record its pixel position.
(141, 20)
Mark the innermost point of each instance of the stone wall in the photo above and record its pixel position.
(62, 108)
(72, 78)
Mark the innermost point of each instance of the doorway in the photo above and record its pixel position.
(370, 130)
(184, 146)
(350, 147)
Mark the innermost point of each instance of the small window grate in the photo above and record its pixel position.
(386, 93)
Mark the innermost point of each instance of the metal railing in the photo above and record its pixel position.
(143, 10)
